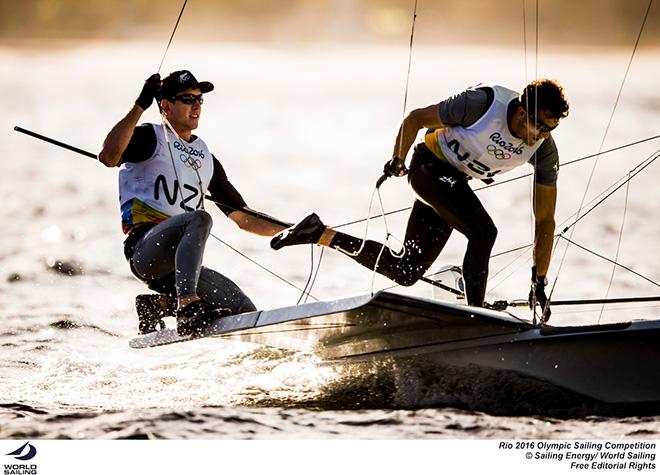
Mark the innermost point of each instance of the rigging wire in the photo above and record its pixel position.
(609, 191)
(611, 261)
(176, 25)
(536, 52)
(311, 272)
(366, 228)
(607, 128)
(638, 169)
(410, 50)
(377, 187)
(502, 182)
(517, 258)
(376, 190)
(597, 155)
(318, 267)
(260, 265)
(625, 206)
(600, 152)
(597, 201)
(385, 244)
(531, 181)
(605, 194)
(571, 162)
(166, 125)
(525, 38)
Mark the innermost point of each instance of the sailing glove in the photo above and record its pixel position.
(395, 167)
(150, 90)
(537, 293)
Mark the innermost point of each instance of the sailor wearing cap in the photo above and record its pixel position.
(165, 172)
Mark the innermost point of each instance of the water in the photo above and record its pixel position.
(298, 129)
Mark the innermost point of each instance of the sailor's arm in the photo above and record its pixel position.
(461, 110)
(120, 135)
(427, 117)
(256, 222)
(545, 200)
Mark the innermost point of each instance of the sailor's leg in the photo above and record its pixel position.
(455, 202)
(175, 245)
(426, 235)
(220, 291)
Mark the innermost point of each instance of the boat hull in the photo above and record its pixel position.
(611, 364)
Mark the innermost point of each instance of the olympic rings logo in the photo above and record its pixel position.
(498, 152)
(189, 162)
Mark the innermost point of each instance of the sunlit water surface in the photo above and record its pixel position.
(298, 129)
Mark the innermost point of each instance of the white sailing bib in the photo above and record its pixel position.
(172, 181)
(487, 147)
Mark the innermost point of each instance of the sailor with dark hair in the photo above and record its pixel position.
(479, 133)
(165, 172)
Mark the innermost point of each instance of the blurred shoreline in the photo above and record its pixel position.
(63, 44)
(602, 23)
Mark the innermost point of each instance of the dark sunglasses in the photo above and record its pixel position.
(538, 125)
(189, 98)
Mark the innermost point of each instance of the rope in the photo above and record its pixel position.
(536, 52)
(607, 128)
(261, 266)
(401, 134)
(609, 191)
(318, 267)
(167, 48)
(376, 188)
(405, 95)
(618, 248)
(608, 260)
(525, 38)
(637, 170)
(598, 200)
(309, 278)
(572, 162)
(385, 244)
(166, 125)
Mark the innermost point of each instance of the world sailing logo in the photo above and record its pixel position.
(25, 452)
(32, 451)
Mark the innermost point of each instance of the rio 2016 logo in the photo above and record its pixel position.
(497, 138)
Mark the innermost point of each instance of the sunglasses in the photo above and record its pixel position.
(540, 126)
(189, 98)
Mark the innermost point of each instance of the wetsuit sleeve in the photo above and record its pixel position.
(466, 108)
(141, 146)
(225, 196)
(546, 163)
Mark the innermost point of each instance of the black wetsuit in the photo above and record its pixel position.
(167, 256)
(445, 202)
